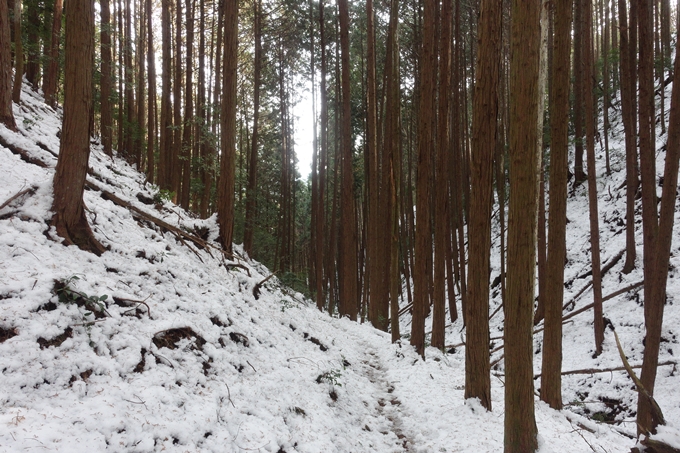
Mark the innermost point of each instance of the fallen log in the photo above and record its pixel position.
(605, 370)
(155, 220)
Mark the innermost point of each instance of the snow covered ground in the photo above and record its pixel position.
(205, 366)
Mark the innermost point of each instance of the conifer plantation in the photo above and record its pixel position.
(452, 144)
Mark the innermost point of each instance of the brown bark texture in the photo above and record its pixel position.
(426, 119)
(151, 122)
(656, 278)
(441, 230)
(52, 73)
(320, 207)
(628, 83)
(251, 193)
(485, 112)
(589, 110)
(520, 421)
(6, 114)
(551, 379)
(378, 307)
(187, 133)
(18, 54)
(74, 151)
(349, 295)
(165, 143)
(225, 195)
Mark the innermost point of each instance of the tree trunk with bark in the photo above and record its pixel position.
(484, 116)
(187, 133)
(426, 119)
(551, 376)
(349, 295)
(52, 73)
(151, 121)
(520, 422)
(166, 134)
(225, 196)
(628, 84)
(18, 54)
(320, 207)
(251, 193)
(589, 111)
(74, 151)
(441, 223)
(579, 92)
(6, 113)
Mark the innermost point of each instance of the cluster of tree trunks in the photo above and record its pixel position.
(438, 95)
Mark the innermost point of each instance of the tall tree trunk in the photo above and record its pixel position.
(457, 165)
(579, 92)
(74, 151)
(656, 279)
(18, 54)
(349, 295)
(484, 115)
(52, 75)
(378, 301)
(6, 113)
(390, 166)
(176, 163)
(323, 159)
(139, 129)
(128, 83)
(225, 203)
(151, 122)
(551, 374)
(628, 84)
(589, 111)
(211, 154)
(188, 128)
(106, 82)
(653, 295)
(33, 43)
(441, 179)
(606, 86)
(251, 193)
(520, 422)
(118, 46)
(426, 119)
(200, 125)
(165, 145)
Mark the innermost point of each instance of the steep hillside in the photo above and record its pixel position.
(164, 344)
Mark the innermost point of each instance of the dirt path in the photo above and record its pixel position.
(389, 405)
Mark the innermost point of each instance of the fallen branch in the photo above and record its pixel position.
(31, 190)
(256, 288)
(132, 301)
(607, 266)
(605, 370)
(231, 266)
(24, 154)
(181, 239)
(656, 446)
(405, 309)
(588, 284)
(604, 299)
(155, 220)
(657, 415)
(496, 311)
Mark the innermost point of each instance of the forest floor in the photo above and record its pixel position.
(163, 344)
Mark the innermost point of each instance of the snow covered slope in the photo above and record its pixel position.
(160, 345)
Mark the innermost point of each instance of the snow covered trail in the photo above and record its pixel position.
(389, 404)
